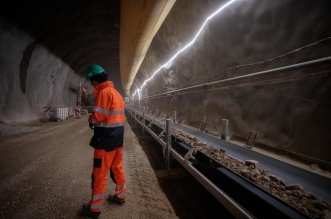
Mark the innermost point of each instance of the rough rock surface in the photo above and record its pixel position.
(293, 194)
(288, 109)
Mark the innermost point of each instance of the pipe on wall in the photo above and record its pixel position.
(140, 20)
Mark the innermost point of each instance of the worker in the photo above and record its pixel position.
(107, 120)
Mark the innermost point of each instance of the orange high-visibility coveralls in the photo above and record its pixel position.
(108, 117)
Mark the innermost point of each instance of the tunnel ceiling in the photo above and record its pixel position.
(83, 32)
(77, 32)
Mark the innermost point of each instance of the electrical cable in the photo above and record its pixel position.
(251, 64)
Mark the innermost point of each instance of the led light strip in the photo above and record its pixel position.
(190, 43)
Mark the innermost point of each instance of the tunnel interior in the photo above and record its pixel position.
(47, 46)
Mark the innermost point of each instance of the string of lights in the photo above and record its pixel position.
(189, 44)
(138, 91)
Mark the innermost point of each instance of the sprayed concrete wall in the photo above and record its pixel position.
(46, 47)
(286, 109)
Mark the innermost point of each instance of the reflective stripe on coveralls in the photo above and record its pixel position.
(109, 112)
(113, 112)
(120, 191)
(103, 162)
(108, 106)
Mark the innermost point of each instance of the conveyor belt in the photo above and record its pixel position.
(231, 183)
(311, 182)
(245, 193)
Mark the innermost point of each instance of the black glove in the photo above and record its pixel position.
(89, 122)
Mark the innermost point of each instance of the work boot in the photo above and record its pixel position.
(88, 212)
(114, 198)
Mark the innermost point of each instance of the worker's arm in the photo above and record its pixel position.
(101, 108)
(93, 122)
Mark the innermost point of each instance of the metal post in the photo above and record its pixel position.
(157, 113)
(225, 130)
(175, 115)
(168, 141)
(143, 122)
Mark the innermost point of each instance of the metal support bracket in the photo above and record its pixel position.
(161, 134)
(190, 154)
(150, 124)
(168, 142)
(143, 121)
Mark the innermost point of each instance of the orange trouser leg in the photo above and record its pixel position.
(117, 169)
(101, 165)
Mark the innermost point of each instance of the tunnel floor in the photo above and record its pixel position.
(46, 173)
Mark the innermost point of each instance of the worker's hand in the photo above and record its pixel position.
(90, 120)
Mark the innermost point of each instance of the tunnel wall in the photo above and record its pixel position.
(290, 114)
(46, 47)
(31, 80)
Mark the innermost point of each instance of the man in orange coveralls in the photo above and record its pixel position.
(107, 120)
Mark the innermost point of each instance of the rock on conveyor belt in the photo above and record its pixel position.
(293, 194)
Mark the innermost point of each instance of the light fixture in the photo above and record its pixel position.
(189, 44)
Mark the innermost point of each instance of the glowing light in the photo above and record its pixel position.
(189, 44)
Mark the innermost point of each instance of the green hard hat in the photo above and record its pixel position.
(92, 70)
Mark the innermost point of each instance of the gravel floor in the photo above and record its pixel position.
(45, 173)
